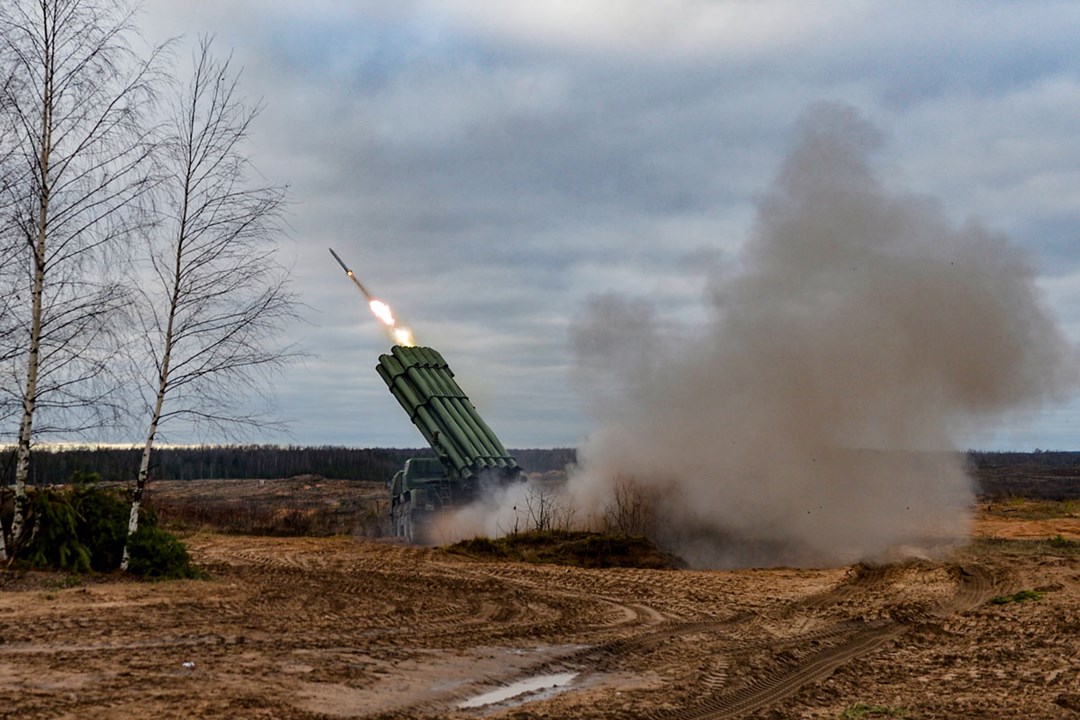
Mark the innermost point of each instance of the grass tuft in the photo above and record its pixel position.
(1016, 597)
(1062, 543)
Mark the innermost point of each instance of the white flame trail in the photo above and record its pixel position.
(400, 334)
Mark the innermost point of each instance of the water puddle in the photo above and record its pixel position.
(534, 685)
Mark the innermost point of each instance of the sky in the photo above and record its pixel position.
(492, 167)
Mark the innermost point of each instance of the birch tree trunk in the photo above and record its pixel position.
(22, 451)
(159, 399)
(141, 478)
(22, 461)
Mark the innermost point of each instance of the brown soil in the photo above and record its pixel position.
(340, 627)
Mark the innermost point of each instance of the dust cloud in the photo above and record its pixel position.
(814, 418)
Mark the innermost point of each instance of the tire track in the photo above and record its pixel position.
(772, 687)
(721, 643)
(975, 586)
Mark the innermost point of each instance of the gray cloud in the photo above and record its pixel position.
(488, 170)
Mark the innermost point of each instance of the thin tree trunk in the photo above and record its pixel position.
(22, 464)
(163, 386)
(144, 473)
(22, 453)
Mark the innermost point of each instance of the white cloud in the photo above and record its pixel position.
(733, 30)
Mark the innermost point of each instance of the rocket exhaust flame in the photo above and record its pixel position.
(383, 312)
(400, 334)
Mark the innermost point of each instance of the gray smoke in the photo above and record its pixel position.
(813, 419)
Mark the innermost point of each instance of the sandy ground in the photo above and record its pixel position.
(343, 628)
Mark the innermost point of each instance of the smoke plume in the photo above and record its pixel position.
(813, 418)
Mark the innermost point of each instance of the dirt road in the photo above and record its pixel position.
(337, 627)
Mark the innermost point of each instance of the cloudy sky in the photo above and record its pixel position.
(490, 166)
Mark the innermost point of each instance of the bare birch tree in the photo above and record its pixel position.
(77, 98)
(218, 299)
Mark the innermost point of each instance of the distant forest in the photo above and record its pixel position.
(1039, 473)
(1044, 474)
(1037, 459)
(243, 462)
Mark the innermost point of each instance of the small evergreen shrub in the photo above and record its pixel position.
(158, 555)
(56, 540)
(81, 527)
(102, 518)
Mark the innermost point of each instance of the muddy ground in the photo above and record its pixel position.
(342, 627)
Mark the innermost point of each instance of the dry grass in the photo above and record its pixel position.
(1029, 509)
(301, 506)
(993, 546)
(576, 549)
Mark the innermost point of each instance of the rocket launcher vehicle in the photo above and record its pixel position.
(469, 457)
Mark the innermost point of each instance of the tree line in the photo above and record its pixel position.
(244, 462)
(980, 459)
